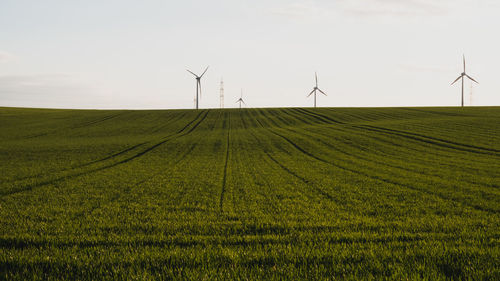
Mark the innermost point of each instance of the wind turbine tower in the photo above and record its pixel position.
(462, 76)
(221, 93)
(316, 89)
(198, 84)
(470, 97)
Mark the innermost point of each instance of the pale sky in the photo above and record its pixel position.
(134, 54)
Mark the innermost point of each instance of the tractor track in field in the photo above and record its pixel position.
(113, 155)
(84, 164)
(226, 162)
(170, 137)
(318, 116)
(317, 137)
(182, 192)
(38, 135)
(389, 139)
(127, 149)
(270, 203)
(309, 183)
(286, 122)
(480, 208)
(355, 131)
(306, 116)
(460, 126)
(153, 176)
(433, 140)
(134, 185)
(81, 125)
(437, 113)
(174, 163)
(304, 180)
(171, 119)
(97, 121)
(58, 179)
(299, 116)
(130, 148)
(418, 137)
(270, 121)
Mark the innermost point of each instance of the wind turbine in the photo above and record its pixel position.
(316, 89)
(462, 77)
(198, 83)
(240, 100)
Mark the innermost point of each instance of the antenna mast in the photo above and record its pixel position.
(221, 93)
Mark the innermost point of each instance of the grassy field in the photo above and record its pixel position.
(330, 193)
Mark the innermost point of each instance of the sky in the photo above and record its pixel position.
(111, 54)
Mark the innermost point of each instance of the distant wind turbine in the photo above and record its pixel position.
(316, 89)
(240, 100)
(198, 84)
(462, 77)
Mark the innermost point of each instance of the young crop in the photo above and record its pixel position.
(251, 194)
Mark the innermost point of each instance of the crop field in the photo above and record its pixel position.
(251, 194)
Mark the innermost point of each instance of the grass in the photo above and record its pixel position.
(251, 194)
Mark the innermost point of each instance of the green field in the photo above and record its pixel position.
(295, 193)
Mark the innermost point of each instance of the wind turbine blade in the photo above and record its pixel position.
(192, 72)
(321, 92)
(456, 79)
(311, 93)
(464, 62)
(243, 102)
(204, 71)
(316, 76)
(471, 78)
